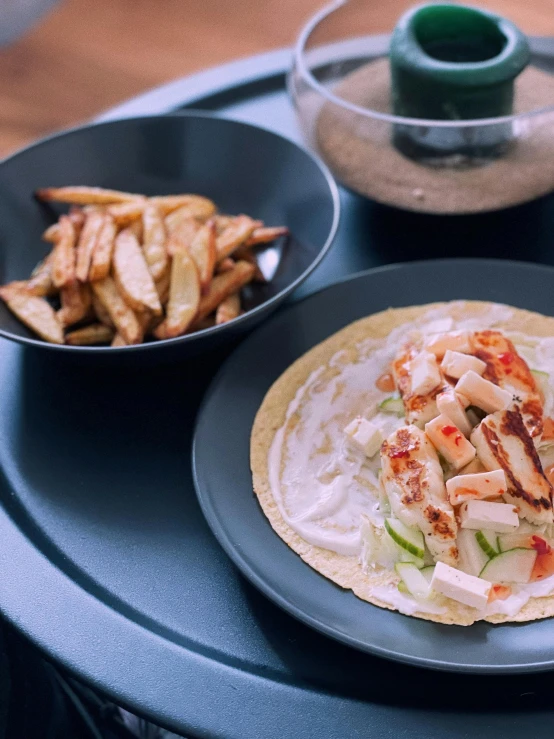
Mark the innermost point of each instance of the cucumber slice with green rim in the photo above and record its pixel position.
(427, 572)
(514, 541)
(393, 405)
(472, 557)
(406, 537)
(515, 565)
(413, 579)
(403, 588)
(488, 541)
(542, 379)
(539, 374)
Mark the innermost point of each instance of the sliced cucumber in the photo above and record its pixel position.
(515, 565)
(393, 405)
(403, 588)
(514, 541)
(488, 541)
(406, 537)
(472, 557)
(413, 579)
(404, 556)
(540, 375)
(427, 572)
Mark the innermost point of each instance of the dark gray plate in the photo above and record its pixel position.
(225, 488)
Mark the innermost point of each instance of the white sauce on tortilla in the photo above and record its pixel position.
(322, 485)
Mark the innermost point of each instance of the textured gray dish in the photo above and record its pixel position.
(234, 515)
(243, 168)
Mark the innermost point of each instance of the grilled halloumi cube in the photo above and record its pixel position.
(419, 403)
(413, 481)
(449, 441)
(448, 403)
(456, 341)
(456, 364)
(507, 369)
(476, 486)
(483, 393)
(503, 443)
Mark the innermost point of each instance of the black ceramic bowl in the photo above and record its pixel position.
(244, 169)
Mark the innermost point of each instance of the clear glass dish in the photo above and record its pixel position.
(340, 86)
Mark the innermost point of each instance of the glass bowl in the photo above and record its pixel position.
(340, 88)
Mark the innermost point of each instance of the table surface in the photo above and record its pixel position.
(84, 56)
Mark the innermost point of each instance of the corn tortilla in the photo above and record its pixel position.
(346, 571)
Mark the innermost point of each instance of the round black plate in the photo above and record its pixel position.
(224, 486)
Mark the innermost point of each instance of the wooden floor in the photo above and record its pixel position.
(87, 55)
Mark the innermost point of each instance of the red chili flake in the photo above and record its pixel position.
(449, 430)
(506, 357)
(399, 453)
(540, 545)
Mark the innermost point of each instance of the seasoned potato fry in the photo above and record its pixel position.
(131, 274)
(182, 235)
(245, 253)
(125, 213)
(190, 206)
(36, 313)
(77, 217)
(266, 235)
(84, 195)
(63, 259)
(118, 340)
(135, 227)
(222, 222)
(184, 297)
(101, 313)
(96, 333)
(87, 242)
(162, 285)
(223, 285)
(122, 316)
(228, 309)
(102, 251)
(202, 250)
(154, 240)
(225, 265)
(234, 235)
(76, 302)
(41, 283)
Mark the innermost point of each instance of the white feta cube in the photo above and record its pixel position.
(484, 515)
(467, 589)
(482, 393)
(424, 372)
(478, 486)
(456, 341)
(364, 435)
(449, 405)
(449, 441)
(456, 364)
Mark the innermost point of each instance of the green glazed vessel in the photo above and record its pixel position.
(455, 62)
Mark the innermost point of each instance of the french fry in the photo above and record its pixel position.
(131, 274)
(122, 316)
(191, 205)
(205, 323)
(118, 340)
(36, 313)
(154, 240)
(84, 195)
(76, 302)
(96, 333)
(202, 250)
(77, 217)
(184, 297)
(135, 227)
(102, 250)
(87, 242)
(228, 309)
(63, 258)
(101, 313)
(248, 256)
(223, 285)
(266, 235)
(41, 283)
(182, 235)
(234, 235)
(125, 213)
(162, 286)
(225, 265)
(222, 222)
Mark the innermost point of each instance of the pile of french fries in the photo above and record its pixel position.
(126, 268)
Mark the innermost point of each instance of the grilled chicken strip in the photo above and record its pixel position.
(510, 371)
(413, 480)
(419, 408)
(503, 443)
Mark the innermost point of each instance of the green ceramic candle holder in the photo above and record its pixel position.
(454, 62)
